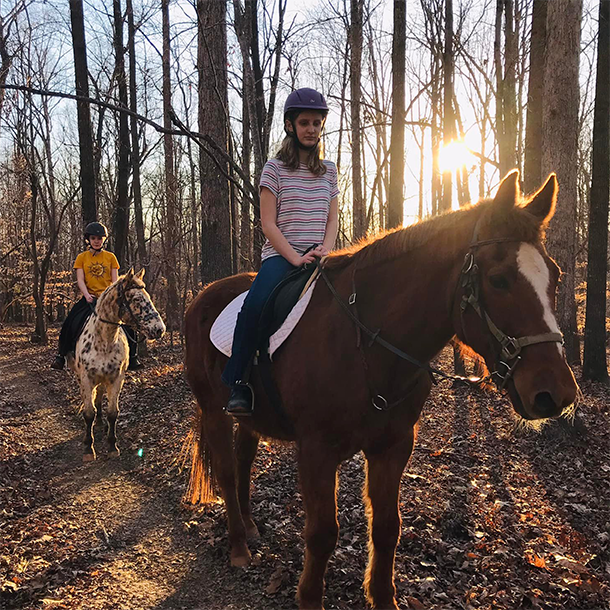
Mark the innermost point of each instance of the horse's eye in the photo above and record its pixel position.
(499, 282)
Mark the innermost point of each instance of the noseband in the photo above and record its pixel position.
(508, 350)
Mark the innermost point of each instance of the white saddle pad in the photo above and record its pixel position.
(221, 333)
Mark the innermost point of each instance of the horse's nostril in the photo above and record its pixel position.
(545, 405)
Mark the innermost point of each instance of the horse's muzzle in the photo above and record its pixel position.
(545, 395)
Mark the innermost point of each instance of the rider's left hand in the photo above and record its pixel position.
(320, 251)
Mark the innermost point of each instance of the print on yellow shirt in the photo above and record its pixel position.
(96, 268)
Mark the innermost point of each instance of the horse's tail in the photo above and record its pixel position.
(202, 486)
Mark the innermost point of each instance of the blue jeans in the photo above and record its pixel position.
(272, 271)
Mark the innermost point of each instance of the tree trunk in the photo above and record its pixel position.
(532, 171)
(243, 30)
(397, 146)
(216, 233)
(135, 144)
(559, 151)
(448, 116)
(245, 228)
(508, 149)
(594, 364)
(85, 136)
(355, 36)
(171, 187)
(121, 211)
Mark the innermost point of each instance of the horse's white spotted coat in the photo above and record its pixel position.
(534, 269)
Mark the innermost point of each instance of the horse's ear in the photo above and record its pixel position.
(140, 274)
(508, 191)
(542, 203)
(129, 274)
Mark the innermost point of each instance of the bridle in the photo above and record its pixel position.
(507, 355)
(122, 301)
(508, 350)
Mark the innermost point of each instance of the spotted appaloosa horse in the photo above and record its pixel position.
(480, 273)
(102, 351)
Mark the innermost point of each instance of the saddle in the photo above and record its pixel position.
(281, 302)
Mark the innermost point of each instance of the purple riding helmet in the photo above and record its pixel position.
(299, 100)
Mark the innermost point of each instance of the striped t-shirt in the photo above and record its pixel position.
(303, 203)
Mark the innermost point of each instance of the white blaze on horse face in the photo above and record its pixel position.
(534, 269)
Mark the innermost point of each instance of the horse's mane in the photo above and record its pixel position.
(388, 245)
(133, 282)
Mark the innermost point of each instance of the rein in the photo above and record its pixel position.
(508, 354)
(122, 300)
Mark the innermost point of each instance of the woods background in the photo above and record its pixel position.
(180, 105)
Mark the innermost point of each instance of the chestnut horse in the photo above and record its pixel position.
(480, 273)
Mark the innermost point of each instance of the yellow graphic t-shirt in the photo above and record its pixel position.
(96, 269)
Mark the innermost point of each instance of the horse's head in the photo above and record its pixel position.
(136, 307)
(505, 301)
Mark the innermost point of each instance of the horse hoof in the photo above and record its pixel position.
(252, 532)
(89, 457)
(241, 561)
(114, 454)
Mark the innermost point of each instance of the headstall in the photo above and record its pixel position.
(507, 355)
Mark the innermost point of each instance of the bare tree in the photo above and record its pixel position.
(171, 186)
(121, 210)
(397, 146)
(135, 141)
(355, 36)
(560, 148)
(216, 233)
(532, 174)
(594, 362)
(85, 137)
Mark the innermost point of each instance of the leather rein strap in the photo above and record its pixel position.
(123, 300)
(508, 354)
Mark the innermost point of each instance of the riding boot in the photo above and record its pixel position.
(241, 400)
(135, 364)
(59, 363)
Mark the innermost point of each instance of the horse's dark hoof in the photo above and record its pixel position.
(252, 532)
(114, 453)
(241, 561)
(89, 457)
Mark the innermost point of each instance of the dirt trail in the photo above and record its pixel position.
(491, 518)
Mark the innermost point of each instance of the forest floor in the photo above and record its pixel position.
(493, 516)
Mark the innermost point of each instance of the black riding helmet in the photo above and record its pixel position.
(97, 229)
(299, 101)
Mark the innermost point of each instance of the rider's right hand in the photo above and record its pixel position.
(89, 298)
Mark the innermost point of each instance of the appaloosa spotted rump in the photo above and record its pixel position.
(102, 351)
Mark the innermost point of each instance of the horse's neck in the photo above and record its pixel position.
(107, 309)
(412, 295)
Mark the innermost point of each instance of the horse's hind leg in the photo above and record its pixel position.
(381, 493)
(219, 436)
(246, 444)
(318, 479)
(113, 390)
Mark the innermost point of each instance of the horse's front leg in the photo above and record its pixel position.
(246, 444)
(113, 390)
(381, 494)
(99, 395)
(88, 394)
(318, 479)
